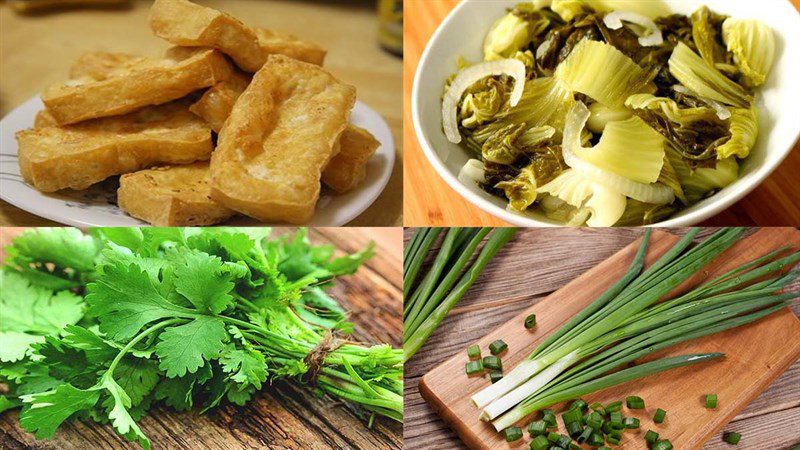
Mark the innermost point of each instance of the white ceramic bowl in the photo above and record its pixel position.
(462, 33)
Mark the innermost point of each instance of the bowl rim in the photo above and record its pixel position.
(705, 212)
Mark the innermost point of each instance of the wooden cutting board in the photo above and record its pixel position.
(756, 354)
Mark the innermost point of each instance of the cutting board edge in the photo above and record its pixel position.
(448, 416)
(761, 384)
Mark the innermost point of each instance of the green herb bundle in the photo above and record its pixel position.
(102, 326)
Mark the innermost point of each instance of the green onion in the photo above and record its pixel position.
(585, 435)
(614, 439)
(414, 255)
(595, 440)
(549, 418)
(474, 367)
(540, 443)
(711, 401)
(495, 376)
(474, 351)
(492, 363)
(579, 405)
(659, 416)
(595, 421)
(572, 415)
(428, 306)
(604, 448)
(634, 402)
(631, 423)
(512, 434)
(598, 407)
(662, 445)
(731, 437)
(537, 428)
(614, 406)
(574, 429)
(553, 436)
(530, 321)
(564, 441)
(651, 437)
(497, 347)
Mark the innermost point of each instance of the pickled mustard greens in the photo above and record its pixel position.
(104, 326)
(608, 112)
(594, 349)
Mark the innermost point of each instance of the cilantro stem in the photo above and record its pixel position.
(138, 339)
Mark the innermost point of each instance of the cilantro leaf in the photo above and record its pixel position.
(348, 264)
(8, 403)
(15, 346)
(44, 412)
(124, 300)
(184, 348)
(201, 279)
(120, 418)
(137, 376)
(64, 247)
(245, 366)
(28, 308)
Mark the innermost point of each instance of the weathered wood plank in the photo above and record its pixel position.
(285, 415)
(486, 309)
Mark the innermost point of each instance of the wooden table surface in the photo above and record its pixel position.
(37, 50)
(429, 201)
(533, 265)
(284, 415)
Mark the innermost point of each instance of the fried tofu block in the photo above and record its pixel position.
(150, 82)
(76, 156)
(171, 196)
(217, 102)
(280, 135)
(184, 23)
(343, 173)
(102, 65)
(349, 167)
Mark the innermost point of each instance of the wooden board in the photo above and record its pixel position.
(429, 201)
(284, 415)
(756, 355)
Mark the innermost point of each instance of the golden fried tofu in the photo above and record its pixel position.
(184, 23)
(171, 196)
(217, 102)
(349, 167)
(280, 135)
(102, 65)
(151, 81)
(76, 156)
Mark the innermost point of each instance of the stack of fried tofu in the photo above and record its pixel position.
(281, 123)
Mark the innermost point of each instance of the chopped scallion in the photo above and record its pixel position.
(615, 420)
(711, 401)
(474, 351)
(564, 441)
(474, 367)
(614, 439)
(540, 443)
(614, 406)
(549, 418)
(731, 437)
(553, 436)
(530, 321)
(631, 423)
(495, 376)
(537, 428)
(598, 407)
(595, 440)
(595, 420)
(585, 435)
(634, 402)
(512, 434)
(659, 416)
(492, 363)
(662, 445)
(651, 437)
(497, 347)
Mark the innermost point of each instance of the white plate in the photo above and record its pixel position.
(462, 33)
(97, 205)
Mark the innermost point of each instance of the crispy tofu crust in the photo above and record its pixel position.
(349, 167)
(149, 82)
(171, 196)
(280, 135)
(182, 22)
(217, 102)
(342, 174)
(55, 157)
(102, 65)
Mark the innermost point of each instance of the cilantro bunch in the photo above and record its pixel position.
(102, 326)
